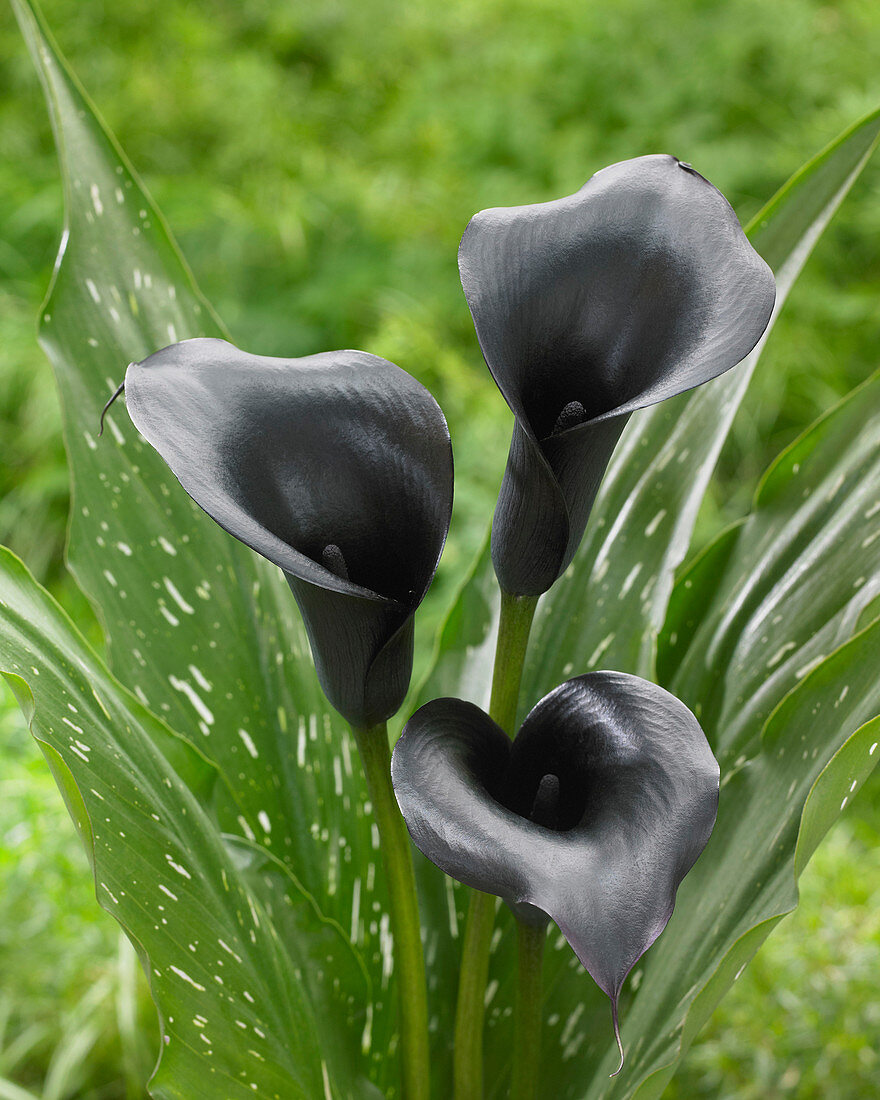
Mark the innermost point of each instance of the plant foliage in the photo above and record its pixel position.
(219, 796)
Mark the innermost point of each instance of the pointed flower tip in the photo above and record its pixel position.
(616, 1023)
(637, 287)
(592, 815)
(337, 468)
(119, 389)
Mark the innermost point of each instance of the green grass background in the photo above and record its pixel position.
(318, 162)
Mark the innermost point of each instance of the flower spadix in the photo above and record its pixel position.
(336, 467)
(592, 816)
(636, 288)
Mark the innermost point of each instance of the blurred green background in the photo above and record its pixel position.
(318, 162)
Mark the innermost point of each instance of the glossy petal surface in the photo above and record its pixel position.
(336, 467)
(639, 286)
(628, 806)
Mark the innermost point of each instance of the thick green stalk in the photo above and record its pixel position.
(408, 956)
(527, 1022)
(468, 1050)
(514, 625)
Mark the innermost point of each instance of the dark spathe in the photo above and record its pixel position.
(336, 467)
(636, 288)
(592, 816)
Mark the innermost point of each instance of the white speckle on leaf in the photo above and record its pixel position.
(630, 580)
(655, 522)
(600, 649)
(301, 743)
(355, 909)
(200, 679)
(173, 619)
(175, 595)
(571, 1024)
(248, 742)
(229, 951)
(185, 977)
(450, 904)
(780, 653)
(809, 666)
(177, 866)
(198, 703)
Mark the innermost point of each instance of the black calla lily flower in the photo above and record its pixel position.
(592, 816)
(336, 467)
(636, 288)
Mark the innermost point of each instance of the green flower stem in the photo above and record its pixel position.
(408, 956)
(527, 1025)
(514, 625)
(468, 1049)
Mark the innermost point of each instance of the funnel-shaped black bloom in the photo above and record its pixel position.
(337, 468)
(593, 815)
(636, 288)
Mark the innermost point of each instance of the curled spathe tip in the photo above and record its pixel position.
(120, 389)
(616, 1024)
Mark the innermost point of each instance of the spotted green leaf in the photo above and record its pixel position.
(235, 1017)
(769, 599)
(205, 634)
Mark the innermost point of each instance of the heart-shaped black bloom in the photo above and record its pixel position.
(336, 467)
(592, 816)
(639, 286)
